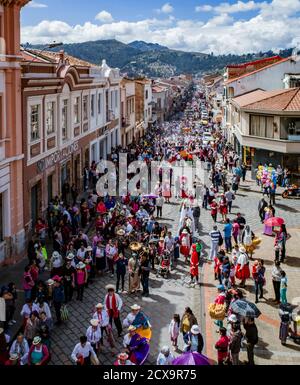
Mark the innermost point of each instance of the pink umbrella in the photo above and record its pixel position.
(274, 222)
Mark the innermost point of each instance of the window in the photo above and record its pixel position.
(50, 123)
(85, 108)
(147, 94)
(262, 126)
(93, 105)
(35, 122)
(99, 104)
(76, 110)
(116, 99)
(64, 128)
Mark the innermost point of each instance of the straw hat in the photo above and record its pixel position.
(135, 307)
(50, 282)
(99, 306)
(131, 328)
(70, 257)
(121, 232)
(80, 265)
(89, 248)
(123, 356)
(195, 329)
(185, 231)
(94, 322)
(13, 357)
(110, 287)
(37, 340)
(242, 249)
(135, 246)
(55, 254)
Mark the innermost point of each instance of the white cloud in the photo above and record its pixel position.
(34, 4)
(274, 27)
(166, 8)
(240, 6)
(104, 17)
(204, 8)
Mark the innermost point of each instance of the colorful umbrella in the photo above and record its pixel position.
(191, 359)
(245, 308)
(274, 221)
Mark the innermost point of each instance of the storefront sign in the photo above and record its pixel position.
(57, 157)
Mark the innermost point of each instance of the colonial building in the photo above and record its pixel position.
(70, 118)
(266, 74)
(127, 111)
(266, 127)
(12, 236)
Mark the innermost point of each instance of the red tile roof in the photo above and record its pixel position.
(278, 100)
(258, 70)
(256, 62)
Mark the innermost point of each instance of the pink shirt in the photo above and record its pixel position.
(80, 277)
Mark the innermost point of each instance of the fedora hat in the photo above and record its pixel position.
(195, 329)
(94, 322)
(70, 257)
(89, 248)
(131, 328)
(135, 307)
(50, 282)
(232, 318)
(80, 265)
(99, 306)
(37, 340)
(121, 232)
(55, 254)
(185, 231)
(135, 246)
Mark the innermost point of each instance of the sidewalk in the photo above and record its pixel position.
(14, 273)
(269, 350)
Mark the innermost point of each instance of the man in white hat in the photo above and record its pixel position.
(21, 348)
(93, 334)
(131, 316)
(102, 317)
(113, 304)
(165, 357)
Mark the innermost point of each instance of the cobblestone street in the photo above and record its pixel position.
(169, 296)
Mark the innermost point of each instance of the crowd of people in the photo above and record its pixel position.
(80, 241)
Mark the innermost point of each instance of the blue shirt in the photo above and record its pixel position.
(228, 230)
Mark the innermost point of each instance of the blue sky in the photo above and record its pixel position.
(235, 26)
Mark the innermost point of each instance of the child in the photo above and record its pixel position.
(174, 329)
(232, 274)
(283, 287)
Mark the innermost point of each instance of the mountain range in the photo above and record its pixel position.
(140, 58)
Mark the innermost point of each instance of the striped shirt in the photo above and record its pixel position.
(215, 236)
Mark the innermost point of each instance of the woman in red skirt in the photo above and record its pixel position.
(223, 207)
(194, 263)
(242, 269)
(214, 210)
(185, 244)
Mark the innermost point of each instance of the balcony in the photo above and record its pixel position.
(125, 121)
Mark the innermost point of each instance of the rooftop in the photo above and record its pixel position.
(257, 70)
(277, 100)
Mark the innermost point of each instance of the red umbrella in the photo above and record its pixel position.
(274, 221)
